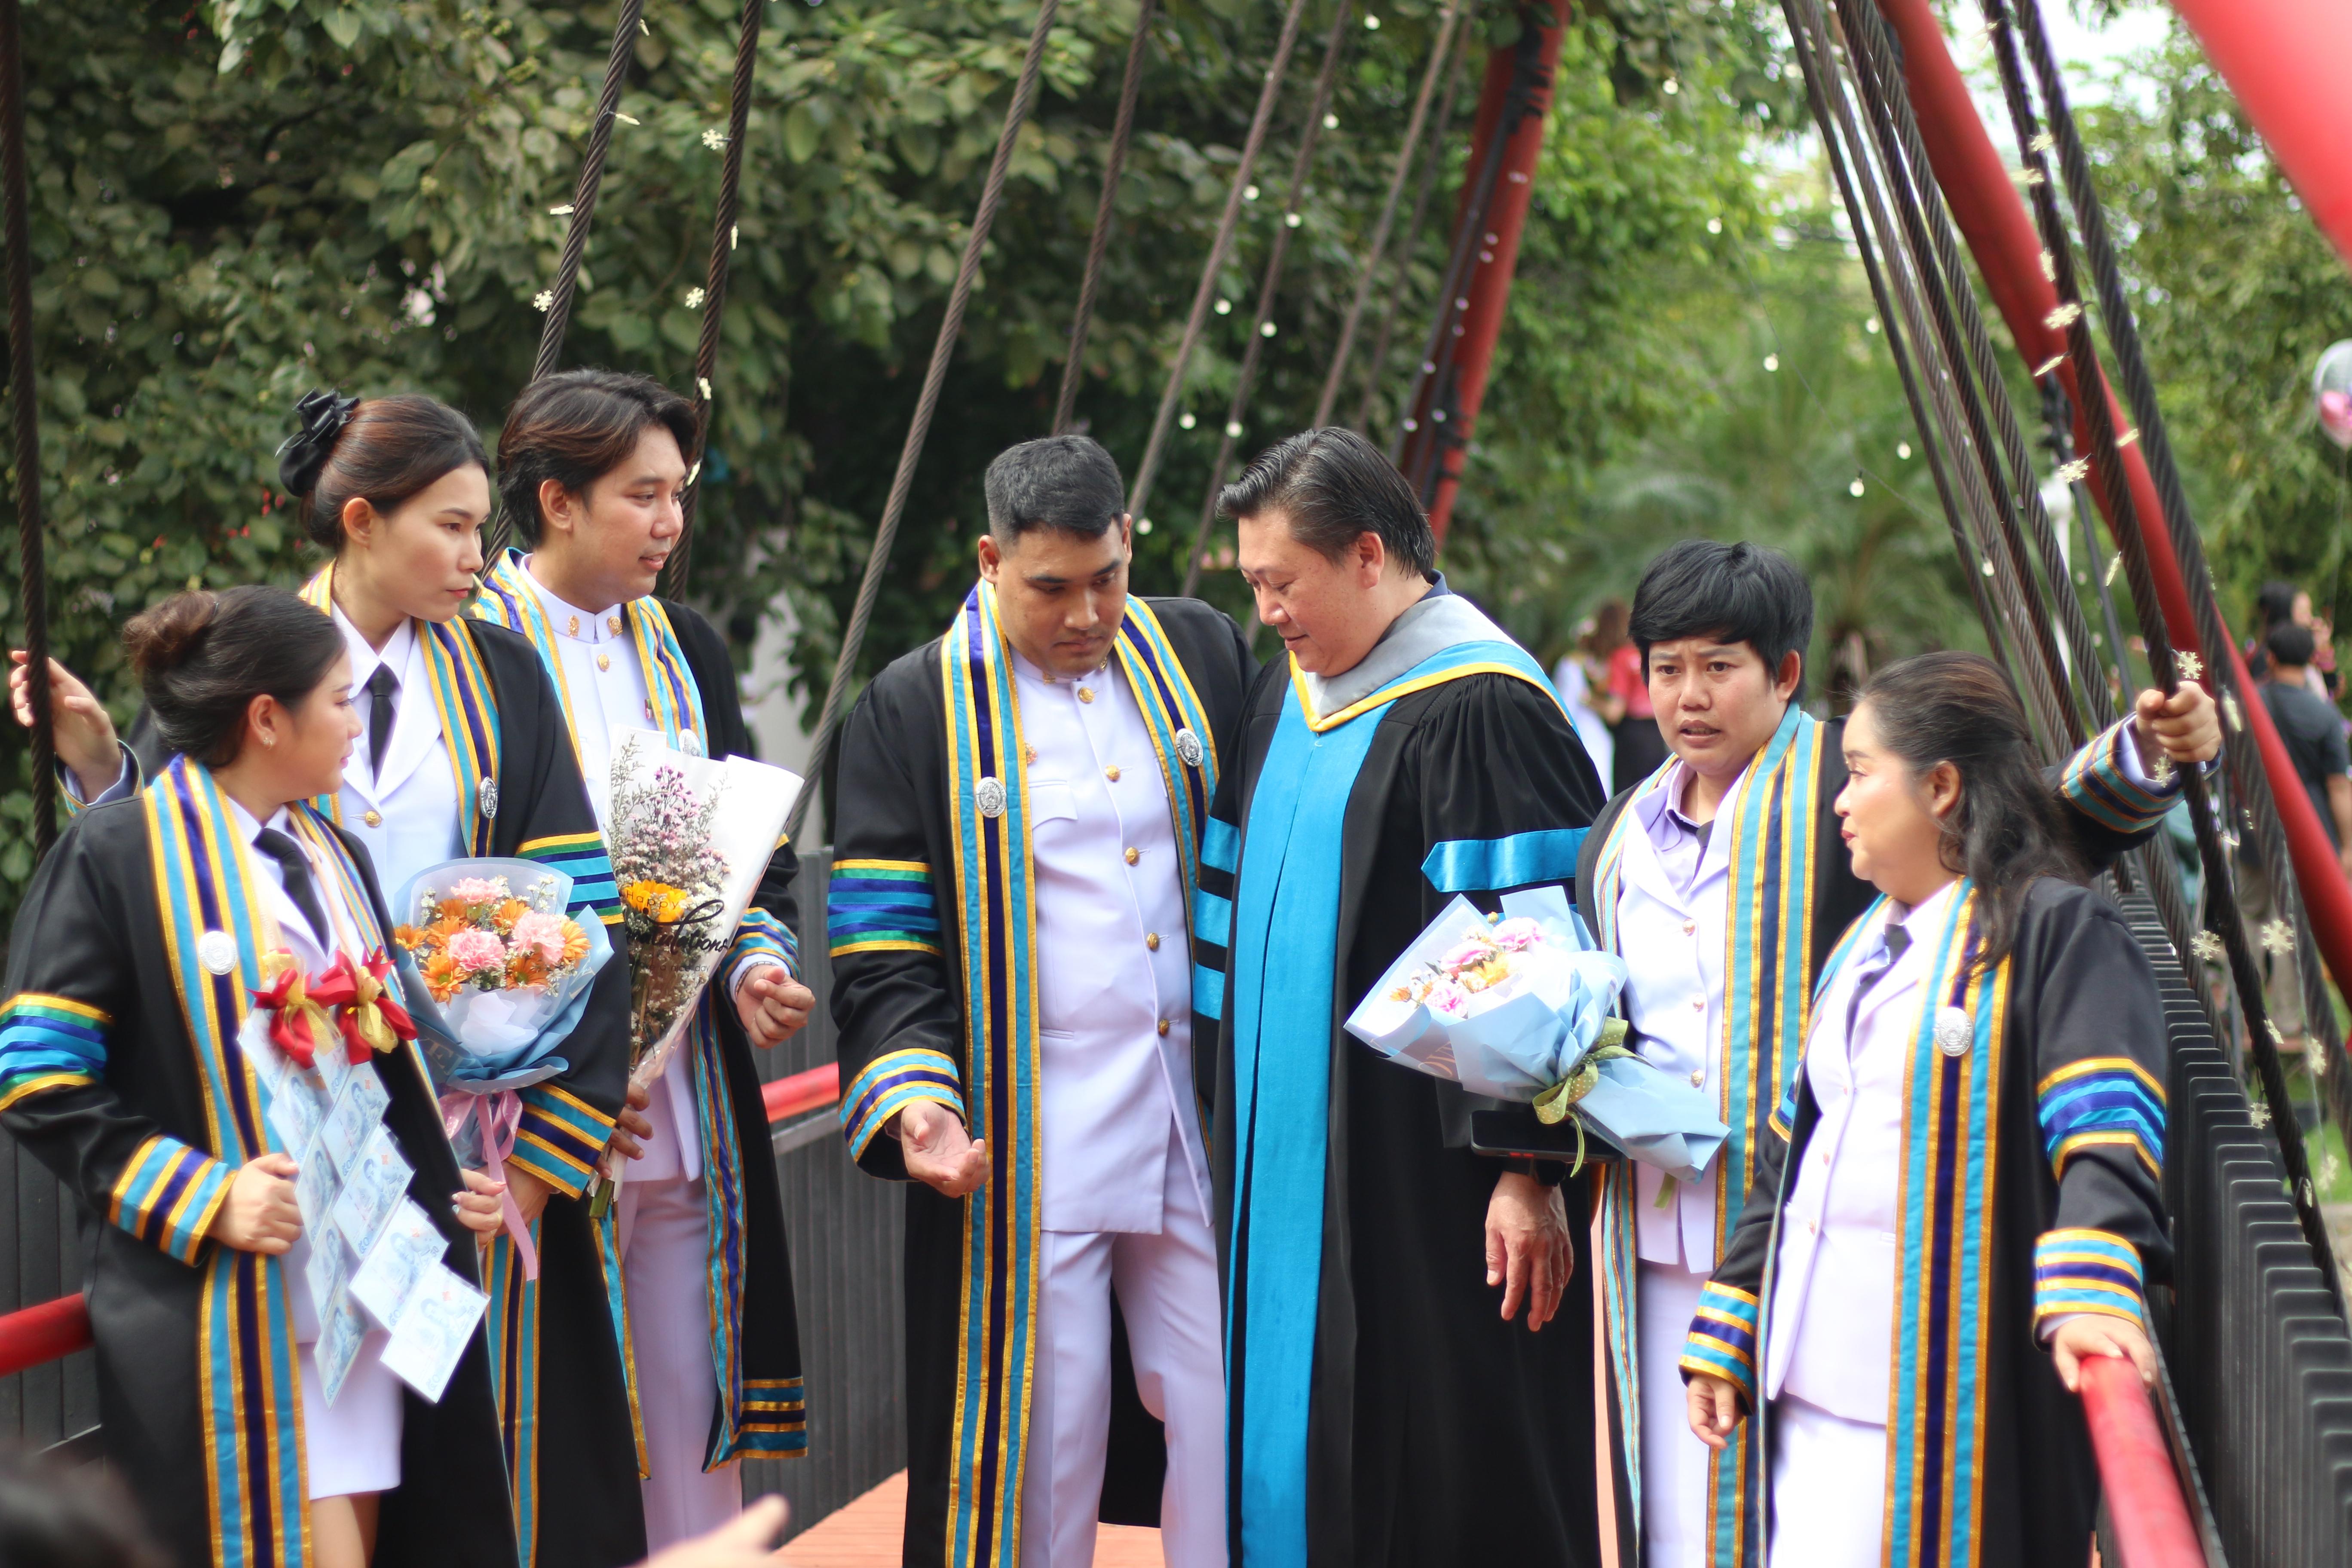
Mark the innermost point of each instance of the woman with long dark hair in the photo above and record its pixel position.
(462, 752)
(148, 936)
(592, 464)
(1969, 1201)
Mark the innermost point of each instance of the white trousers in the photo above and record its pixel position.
(1829, 1487)
(1675, 1464)
(665, 1238)
(1168, 1296)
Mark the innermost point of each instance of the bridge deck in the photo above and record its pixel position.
(866, 1534)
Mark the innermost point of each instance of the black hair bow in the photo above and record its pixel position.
(304, 455)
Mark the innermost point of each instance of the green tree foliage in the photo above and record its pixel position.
(237, 202)
(2236, 293)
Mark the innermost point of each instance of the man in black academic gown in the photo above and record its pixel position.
(1385, 1407)
(1021, 805)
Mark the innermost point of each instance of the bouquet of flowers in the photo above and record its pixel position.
(1520, 1006)
(497, 977)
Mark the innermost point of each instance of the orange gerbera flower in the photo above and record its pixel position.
(441, 976)
(451, 910)
(510, 912)
(575, 943)
(439, 932)
(408, 937)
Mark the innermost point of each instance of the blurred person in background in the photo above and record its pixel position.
(53, 1516)
(1580, 679)
(2281, 604)
(1632, 721)
(2313, 731)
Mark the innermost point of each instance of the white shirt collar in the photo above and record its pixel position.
(395, 653)
(569, 620)
(247, 824)
(1923, 919)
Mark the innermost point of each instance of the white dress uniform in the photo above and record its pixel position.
(1671, 917)
(1124, 1194)
(352, 1446)
(405, 810)
(664, 1224)
(1829, 1337)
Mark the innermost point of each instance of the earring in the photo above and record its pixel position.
(268, 739)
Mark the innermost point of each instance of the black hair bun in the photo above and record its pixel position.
(304, 455)
(166, 637)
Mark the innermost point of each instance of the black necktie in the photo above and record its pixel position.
(1898, 938)
(381, 712)
(299, 886)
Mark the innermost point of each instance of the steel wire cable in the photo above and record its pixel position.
(1113, 169)
(2245, 974)
(32, 572)
(1246, 375)
(894, 508)
(626, 29)
(1154, 449)
(1432, 167)
(714, 289)
(1374, 248)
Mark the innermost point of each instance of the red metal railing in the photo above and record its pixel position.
(2147, 1509)
(55, 1330)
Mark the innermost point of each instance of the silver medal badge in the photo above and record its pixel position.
(486, 796)
(1953, 1031)
(989, 796)
(689, 742)
(217, 950)
(1189, 748)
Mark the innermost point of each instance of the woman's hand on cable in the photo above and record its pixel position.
(2186, 726)
(85, 734)
(631, 1129)
(2096, 1334)
(260, 1214)
(773, 1005)
(477, 1207)
(1529, 1252)
(1714, 1406)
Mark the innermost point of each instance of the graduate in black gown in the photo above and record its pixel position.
(464, 754)
(140, 950)
(1386, 1405)
(1969, 1200)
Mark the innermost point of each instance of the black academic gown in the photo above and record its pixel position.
(900, 995)
(2074, 1178)
(1437, 1433)
(90, 931)
(756, 1331)
(563, 1391)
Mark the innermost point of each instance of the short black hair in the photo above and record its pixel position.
(574, 427)
(1064, 482)
(1736, 593)
(2290, 644)
(1335, 486)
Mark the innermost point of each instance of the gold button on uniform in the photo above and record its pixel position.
(1163, 1025)
(1151, 940)
(1111, 773)
(612, 625)
(1698, 1078)
(1133, 856)
(1698, 1003)
(372, 819)
(572, 626)
(1689, 927)
(603, 661)
(1086, 694)
(1028, 753)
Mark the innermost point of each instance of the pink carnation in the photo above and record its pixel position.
(1464, 955)
(476, 891)
(543, 931)
(1518, 934)
(473, 951)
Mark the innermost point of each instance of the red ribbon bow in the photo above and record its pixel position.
(371, 1019)
(297, 1022)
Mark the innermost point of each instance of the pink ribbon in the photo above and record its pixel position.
(497, 1115)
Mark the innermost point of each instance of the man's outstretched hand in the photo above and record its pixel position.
(938, 1151)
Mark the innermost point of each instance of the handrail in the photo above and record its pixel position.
(55, 1330)
(2147, 1509)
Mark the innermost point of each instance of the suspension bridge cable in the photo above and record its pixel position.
(714, 288)
(894, 508)
(626, 29)
(32, 577)
(1374, 248)
(2116, 312)
(1433, 168)
(1114, 167)
(1260, 320)
(1154, 449)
